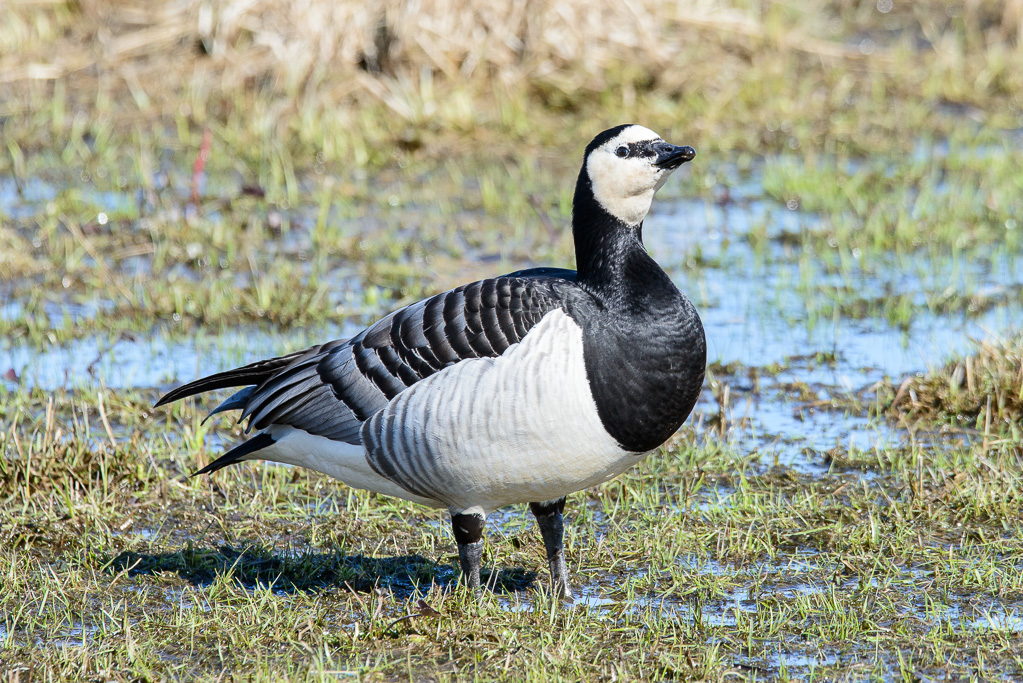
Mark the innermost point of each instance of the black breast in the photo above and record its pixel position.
(645, 363)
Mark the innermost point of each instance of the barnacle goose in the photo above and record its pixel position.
(517, 389)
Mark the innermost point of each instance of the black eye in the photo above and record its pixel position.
(622, 152)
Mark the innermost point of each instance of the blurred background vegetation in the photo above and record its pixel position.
(355, 81)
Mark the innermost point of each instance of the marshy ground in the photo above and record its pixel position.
(845, 503)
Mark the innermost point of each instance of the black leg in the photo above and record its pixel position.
(468, 528)
(552, 528)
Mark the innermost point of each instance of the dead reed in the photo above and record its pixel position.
(351, 50)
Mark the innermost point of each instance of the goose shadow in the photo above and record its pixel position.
(403, 576)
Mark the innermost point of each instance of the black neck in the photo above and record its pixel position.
(611, 260)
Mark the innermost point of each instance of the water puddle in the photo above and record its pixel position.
(154, 360)
(26, 199)
(78, 636)
(758, 310)
(995, 621)
(586, 599)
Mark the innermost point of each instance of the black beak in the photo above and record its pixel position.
(672, 156)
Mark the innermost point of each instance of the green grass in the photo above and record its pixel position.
(979, 394)
(119, 566)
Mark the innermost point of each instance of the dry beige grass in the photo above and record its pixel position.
(302, 40)
(299, 40)
(441, 61)
(300, 45)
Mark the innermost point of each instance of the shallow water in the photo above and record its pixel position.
(753, 316)
(156, 360)
(24, 200)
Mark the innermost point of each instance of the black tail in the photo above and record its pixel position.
(238, 453)
(251, 374)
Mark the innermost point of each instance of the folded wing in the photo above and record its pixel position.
(331, 389)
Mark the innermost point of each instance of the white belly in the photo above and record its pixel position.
(490, 432)
(343, 461)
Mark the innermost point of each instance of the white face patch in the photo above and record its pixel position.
(625, 187)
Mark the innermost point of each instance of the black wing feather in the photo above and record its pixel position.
(254, 373)
(238, 453)
(330, 390)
